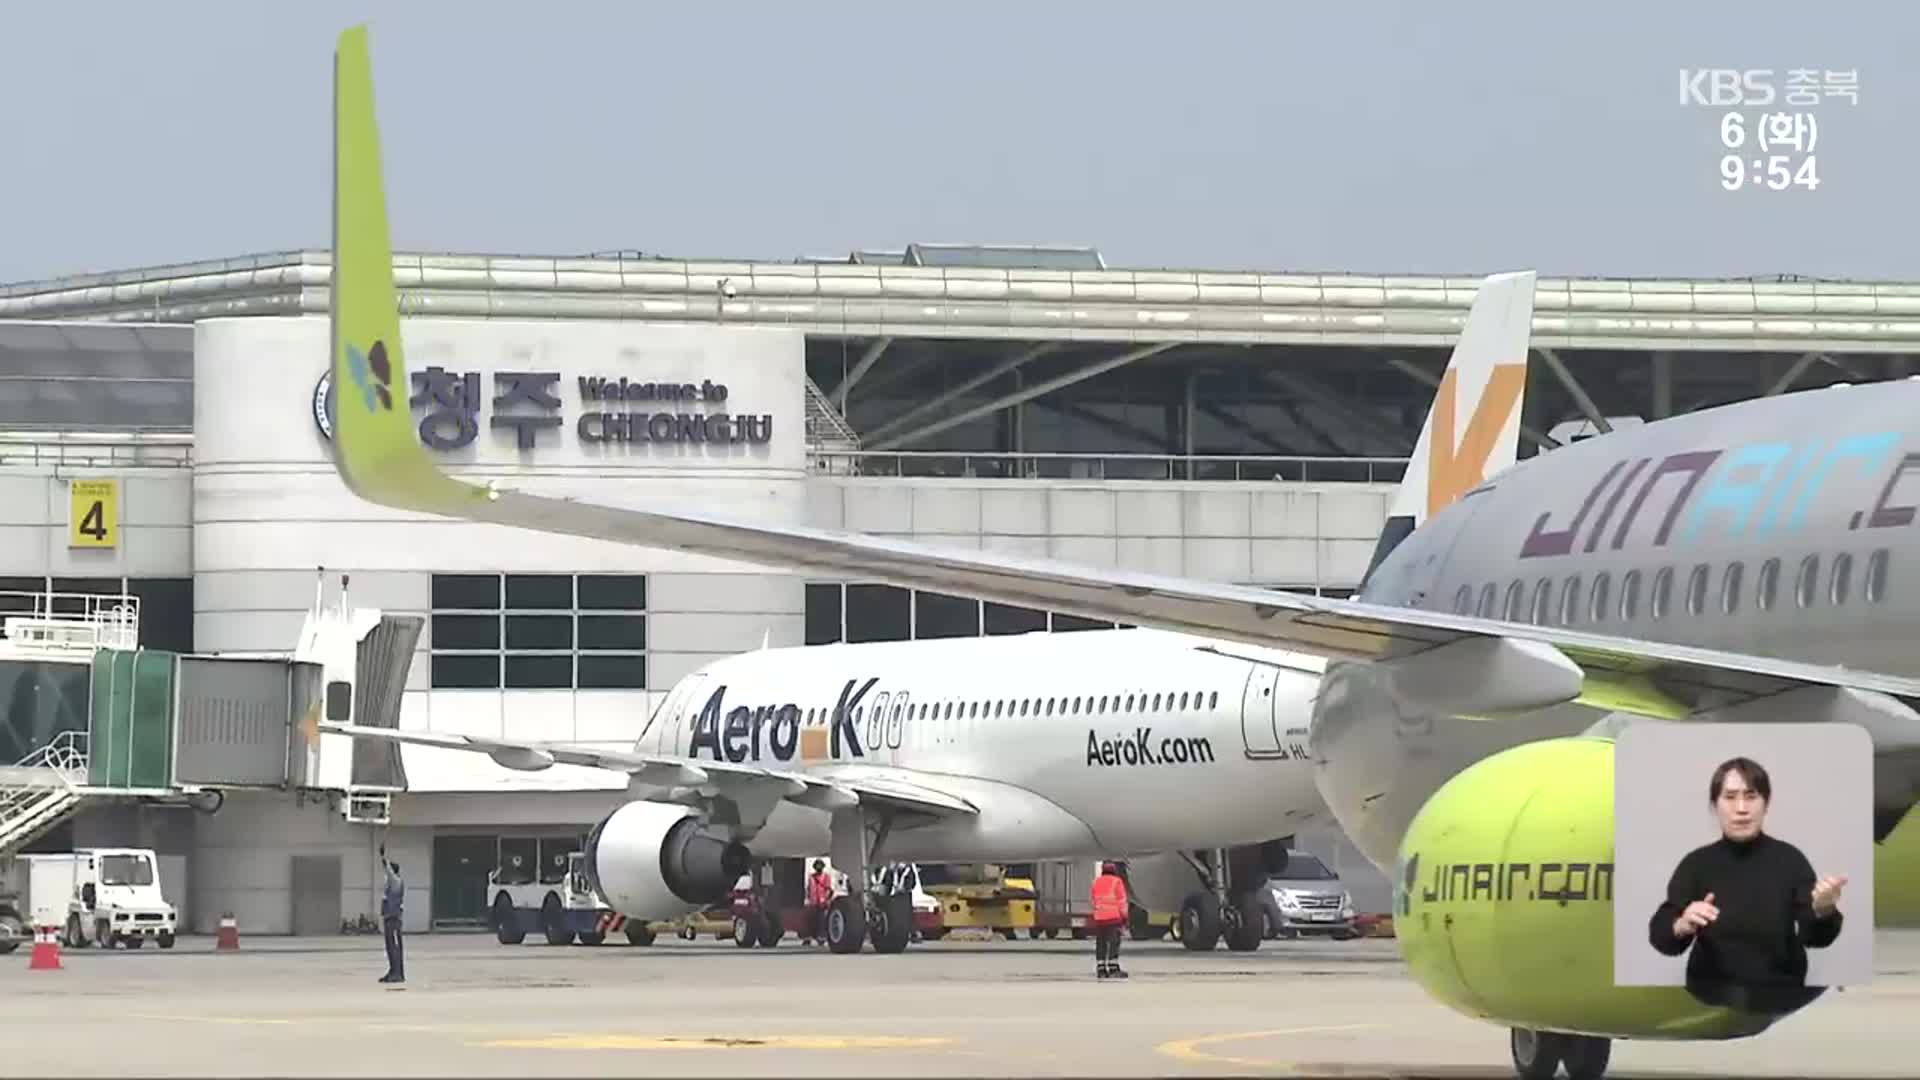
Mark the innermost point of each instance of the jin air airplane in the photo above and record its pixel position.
(1737, 564)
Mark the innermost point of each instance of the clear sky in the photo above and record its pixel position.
(1264, 134)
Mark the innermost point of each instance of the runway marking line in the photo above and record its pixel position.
(1189, 1049)
(718, 1042)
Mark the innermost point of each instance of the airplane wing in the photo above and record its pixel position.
(682, 779)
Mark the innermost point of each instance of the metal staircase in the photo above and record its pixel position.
(42, 790)
(828, 433)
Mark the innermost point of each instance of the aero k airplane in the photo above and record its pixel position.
(1723, 566)
(1005, 749)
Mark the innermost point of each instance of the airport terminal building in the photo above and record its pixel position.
(163, 436)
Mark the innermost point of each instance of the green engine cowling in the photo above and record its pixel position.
(1504, 902)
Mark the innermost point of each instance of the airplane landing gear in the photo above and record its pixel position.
(1229, 903)
(846, 924)
(880, 910)
(1538, 1055)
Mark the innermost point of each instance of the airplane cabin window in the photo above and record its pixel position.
(1842, 578)
(1662, 592)
(1809, 576)
(1514, 594)
(1488, 596)
(1768, 584)
(1213, 700)
(1570, 601)
(1542, 600)
(1876, 584)
(1630, 596)
(1730, 587)
(1462, 600)
(1183, 700)
(1597, 605)
(1697, 589)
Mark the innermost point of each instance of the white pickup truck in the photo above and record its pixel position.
(104, 896)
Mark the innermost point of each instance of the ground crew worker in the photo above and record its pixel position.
(1109, 919)
(819, 897)
(392, 905)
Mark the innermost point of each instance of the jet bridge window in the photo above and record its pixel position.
(1730, 587)
(1842, 579)
(1808, 580)
(1769, 584)
(1876, 584)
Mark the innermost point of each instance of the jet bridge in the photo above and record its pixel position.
(91, 716)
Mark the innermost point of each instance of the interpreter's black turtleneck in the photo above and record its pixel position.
(1758, 946)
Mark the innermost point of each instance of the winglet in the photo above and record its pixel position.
(375, 448)
(1473, 430)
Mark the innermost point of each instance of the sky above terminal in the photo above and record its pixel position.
(1269, 135)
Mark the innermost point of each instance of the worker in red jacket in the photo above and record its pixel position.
(819, 899)
(1109, 920)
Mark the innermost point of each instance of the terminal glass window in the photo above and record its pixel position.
(861, 612)
(43, 699)
(539, 631)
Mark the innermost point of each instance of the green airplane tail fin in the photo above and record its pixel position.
(375, 446)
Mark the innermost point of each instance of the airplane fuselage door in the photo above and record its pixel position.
(1256, 712)
(672, 724)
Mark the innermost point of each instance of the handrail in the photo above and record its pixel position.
(1004, 465)
(65, 754)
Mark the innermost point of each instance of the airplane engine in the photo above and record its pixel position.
(1503, 902)
(653, 860)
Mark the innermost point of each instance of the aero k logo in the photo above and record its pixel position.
(1456, 467)
(372, 374)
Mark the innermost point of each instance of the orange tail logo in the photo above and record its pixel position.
(1453, 468)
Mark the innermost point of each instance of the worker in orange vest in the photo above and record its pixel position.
(1109, 919)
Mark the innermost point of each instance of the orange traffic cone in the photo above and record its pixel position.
(46, 950)
(229, 936)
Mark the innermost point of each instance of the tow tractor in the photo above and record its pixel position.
(97, 896)
(558, 902)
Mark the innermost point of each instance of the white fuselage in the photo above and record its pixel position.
(1089, 743)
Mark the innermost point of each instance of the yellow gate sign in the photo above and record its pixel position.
(94, 515)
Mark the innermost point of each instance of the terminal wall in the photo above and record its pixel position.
(269, 509)
(1266, 533)
(155, 523)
